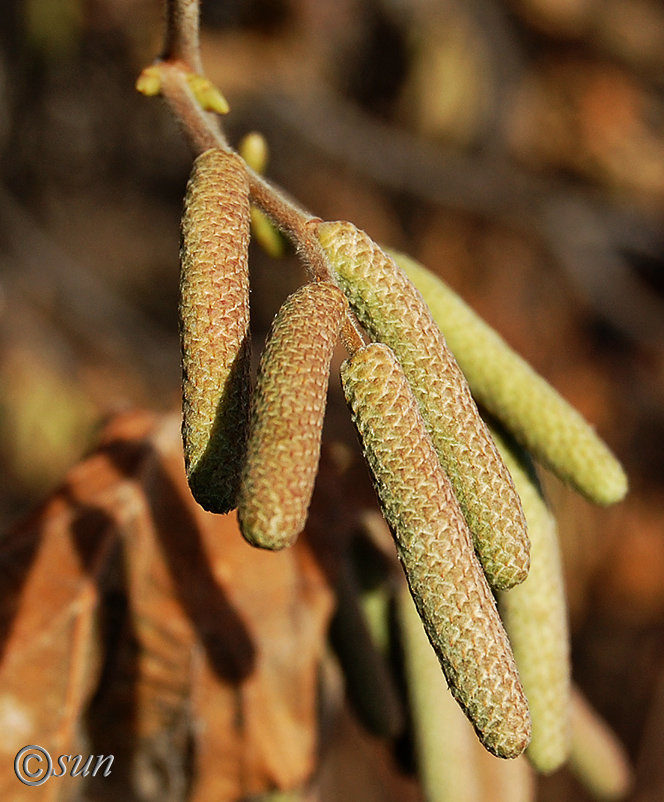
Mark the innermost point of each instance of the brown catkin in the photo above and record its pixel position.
(214, 327)
(393, 312)
(436, 551)
(287, 416)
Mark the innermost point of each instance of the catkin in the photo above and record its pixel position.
(444, 741)
(535, 617)
(214, 327)
(369, 683)
(506, 780)
(552, 430)
(435, 549)
(393, 312)
(287, 416)
(597, 758)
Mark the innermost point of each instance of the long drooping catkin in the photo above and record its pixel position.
(444, 742)
(535, 617)
(509, 388)
(392, 310)
(597, 758)
(370, 685)
(214, 327)
(287, 416)
(435, 549)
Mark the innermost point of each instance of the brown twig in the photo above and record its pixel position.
(181, 57)
(196, 123)
(182, 40)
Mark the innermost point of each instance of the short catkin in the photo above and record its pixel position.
(535, 617)
(552, 430)
(287, 416)
(435, 549)
(393, 312)
(214, 327)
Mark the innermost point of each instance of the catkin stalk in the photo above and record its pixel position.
(540, 419)
(214, 327)
(535, 617)
(287, 416)
(393, 312)
(436, 551)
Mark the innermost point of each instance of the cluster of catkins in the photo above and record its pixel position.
(441, 476)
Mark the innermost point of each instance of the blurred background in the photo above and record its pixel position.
(514, 146)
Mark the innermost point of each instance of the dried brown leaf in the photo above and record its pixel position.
(205, 666)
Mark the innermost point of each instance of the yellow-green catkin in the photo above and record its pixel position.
(552, 430)
(214, 327)
(370, 685)
(445, 744)
(436, 550)
(506, 780)
(597, 758)
(535, 617)
(287, 416)
(393, 312)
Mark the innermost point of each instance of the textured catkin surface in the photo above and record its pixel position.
(287, 416)
(436, 550)
(214, 327)
(393, 311)
(509, 388)
(535, 617)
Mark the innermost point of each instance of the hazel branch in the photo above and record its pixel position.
(182, 39)
(181, 57)
(196, 123)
